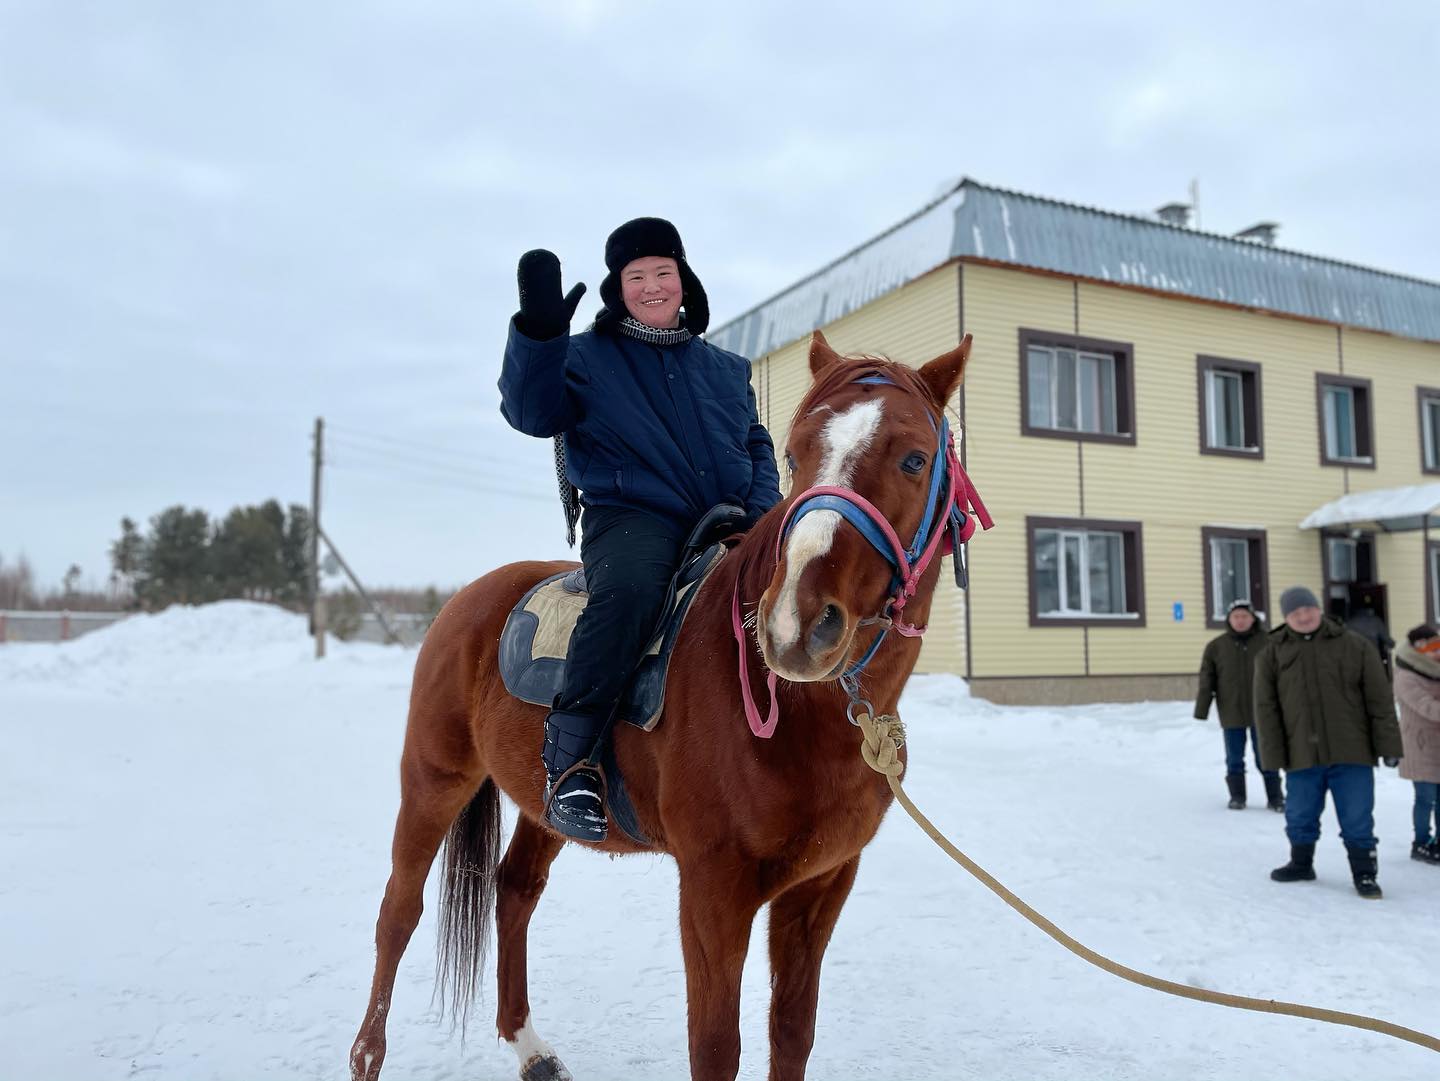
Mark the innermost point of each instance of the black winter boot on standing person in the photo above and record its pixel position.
(1364, 866)
(1236, 784)
(1274, 794)
(1301, 867)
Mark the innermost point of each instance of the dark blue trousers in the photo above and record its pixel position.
(1353, 790)
(629, 558)
(1425, 799)
(1235, 750)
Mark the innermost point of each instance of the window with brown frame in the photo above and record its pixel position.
(1236, 568)
(1429, 428)
(1076, 388)
(1085, 572)
(1345, 418)
(1432, 579)
(1229, 402)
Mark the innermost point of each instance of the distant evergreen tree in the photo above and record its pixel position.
(125, 555)
(295, 558)
(253, 553)
(175, 560)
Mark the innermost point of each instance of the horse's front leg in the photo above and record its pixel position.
(718, 902)
(801, 920)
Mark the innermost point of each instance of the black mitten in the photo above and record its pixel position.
(544, 313)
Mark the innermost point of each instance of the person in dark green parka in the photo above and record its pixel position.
(1325, 713)
(1227, 677)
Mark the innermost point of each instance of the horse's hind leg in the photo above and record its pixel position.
(428, 806)
(520, 880)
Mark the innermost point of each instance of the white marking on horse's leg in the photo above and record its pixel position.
(538, 1061)
(846, 436)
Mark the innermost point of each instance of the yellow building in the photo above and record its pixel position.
(1151, 413)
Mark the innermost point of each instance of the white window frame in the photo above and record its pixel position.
(1334, 392)
(1084, 611)
(1430, 431)
(1099, 362)
(1213, 379)
(1218, 603)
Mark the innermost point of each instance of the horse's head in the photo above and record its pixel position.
(869, 431)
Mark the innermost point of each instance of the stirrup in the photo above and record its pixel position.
(582, 825)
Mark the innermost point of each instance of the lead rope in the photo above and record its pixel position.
(881, 739)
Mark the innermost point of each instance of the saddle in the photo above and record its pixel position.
(537, 632)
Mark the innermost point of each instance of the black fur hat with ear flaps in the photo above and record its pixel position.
(635, 240)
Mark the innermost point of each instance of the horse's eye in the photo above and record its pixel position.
(913, 463)
(790, 462)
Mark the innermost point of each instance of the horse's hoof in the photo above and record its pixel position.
(545, 1068)
(366, 1058)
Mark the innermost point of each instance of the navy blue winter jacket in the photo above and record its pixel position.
(668, 429)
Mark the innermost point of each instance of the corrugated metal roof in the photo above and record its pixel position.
(1027, 231)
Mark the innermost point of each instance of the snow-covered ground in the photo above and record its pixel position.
(194, 824)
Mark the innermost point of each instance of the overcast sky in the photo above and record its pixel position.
(221, 220)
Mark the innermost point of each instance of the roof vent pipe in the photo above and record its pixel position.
(1177, 214)
(1261, 232)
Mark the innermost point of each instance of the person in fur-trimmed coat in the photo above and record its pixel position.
(1417, 688)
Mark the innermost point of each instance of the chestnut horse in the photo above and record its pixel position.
(750, 821)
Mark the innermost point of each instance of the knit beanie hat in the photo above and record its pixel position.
(1297, 597)
(635, 240)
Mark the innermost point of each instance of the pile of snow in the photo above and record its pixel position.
(195, 821)
(183, 643)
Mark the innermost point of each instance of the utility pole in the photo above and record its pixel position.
(317, 602)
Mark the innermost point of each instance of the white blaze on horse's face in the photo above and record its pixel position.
(846, 437)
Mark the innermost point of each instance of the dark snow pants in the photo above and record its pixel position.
(629, 557)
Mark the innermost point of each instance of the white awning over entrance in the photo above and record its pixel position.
(1392, 509)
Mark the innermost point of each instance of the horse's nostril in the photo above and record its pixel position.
(827, 629)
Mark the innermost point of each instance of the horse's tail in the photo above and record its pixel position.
(467, 899)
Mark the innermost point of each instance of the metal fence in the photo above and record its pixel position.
(30, 626)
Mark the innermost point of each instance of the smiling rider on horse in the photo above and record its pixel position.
(657, 426)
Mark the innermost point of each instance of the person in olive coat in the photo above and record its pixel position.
(1227, 677)
(1325, 711)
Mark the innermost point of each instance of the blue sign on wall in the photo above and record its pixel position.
(1179, 612)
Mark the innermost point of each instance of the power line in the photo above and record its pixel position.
(435, 478)
(427, 453)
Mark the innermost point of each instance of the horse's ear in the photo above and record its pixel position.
(821, 355)
(944, 374)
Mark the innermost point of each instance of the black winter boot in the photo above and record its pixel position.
(1364, 867)
(574, 792)
(1236, 784)
(1425, 853)
(1274, 793)
(1301, 867)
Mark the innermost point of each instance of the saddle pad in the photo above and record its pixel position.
(537, 636)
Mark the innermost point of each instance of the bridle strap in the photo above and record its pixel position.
(766, 728)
